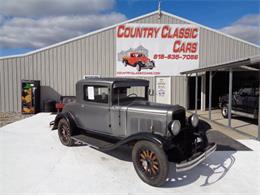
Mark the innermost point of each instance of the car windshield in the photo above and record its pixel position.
(124, 94)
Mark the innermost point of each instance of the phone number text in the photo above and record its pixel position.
(175, 56)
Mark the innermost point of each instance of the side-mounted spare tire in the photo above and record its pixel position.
(150, 163)
(65, 131)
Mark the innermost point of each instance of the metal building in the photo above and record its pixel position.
(60, 66)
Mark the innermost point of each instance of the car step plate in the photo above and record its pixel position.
(94, 142)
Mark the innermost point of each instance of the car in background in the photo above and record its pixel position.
(138, 60)
(244, 103)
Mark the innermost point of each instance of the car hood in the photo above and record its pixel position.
(152, 107)
(145, 59)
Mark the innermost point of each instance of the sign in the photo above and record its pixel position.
(156, 49)
(163, 90)
(91, 93)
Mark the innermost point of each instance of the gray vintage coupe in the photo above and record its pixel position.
(111, 112)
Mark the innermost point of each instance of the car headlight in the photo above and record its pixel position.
(194, 120)
(175, 127)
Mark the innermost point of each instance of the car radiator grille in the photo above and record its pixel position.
(180, 115)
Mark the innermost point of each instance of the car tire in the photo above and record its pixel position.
(152, 66)
(65, 132)
(224, 111)
(138, 67)
(150, 163)
(125, 63)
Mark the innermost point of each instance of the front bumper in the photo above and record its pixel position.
(196, 159)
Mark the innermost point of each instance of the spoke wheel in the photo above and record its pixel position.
(65, 131)
(150, 163)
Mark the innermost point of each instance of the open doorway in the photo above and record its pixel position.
(191, 92)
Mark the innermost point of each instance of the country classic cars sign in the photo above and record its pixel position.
(156, 49)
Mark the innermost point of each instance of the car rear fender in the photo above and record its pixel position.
(64, 115)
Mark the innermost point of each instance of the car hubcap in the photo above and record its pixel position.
(224, 111)
(149, 163)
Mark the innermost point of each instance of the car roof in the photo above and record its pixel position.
(116, 81)
(136, 52)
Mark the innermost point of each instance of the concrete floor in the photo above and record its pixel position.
(33, 161)
(242, 124)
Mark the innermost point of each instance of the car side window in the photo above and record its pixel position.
(96, 93)
(257, 91)
(246, 92)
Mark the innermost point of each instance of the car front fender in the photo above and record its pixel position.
(154, 138)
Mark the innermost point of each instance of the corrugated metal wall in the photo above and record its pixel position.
(217, 48)
(59, 68)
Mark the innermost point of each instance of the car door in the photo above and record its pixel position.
(96, 109)
(241, 100)
(252, 101)
(131, 59)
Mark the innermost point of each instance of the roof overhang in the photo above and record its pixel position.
(245, 64)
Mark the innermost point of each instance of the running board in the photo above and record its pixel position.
(93, 142)
(105, 145)
(252, 116)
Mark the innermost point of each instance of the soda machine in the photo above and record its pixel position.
(30, 96)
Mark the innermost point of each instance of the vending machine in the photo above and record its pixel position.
(30, 96)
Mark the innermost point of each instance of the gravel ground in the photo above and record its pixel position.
(10, 117)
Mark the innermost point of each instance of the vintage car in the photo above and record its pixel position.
(111, 112)
(138, 60)
(244, 103)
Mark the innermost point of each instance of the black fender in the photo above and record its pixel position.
(64, 115)
(141, 63)
(154, 138)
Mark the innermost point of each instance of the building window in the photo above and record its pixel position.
(96, 93)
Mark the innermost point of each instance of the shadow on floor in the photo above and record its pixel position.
(247, 120)
(213, 169)
(225, 143)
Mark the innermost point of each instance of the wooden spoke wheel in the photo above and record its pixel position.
(150, 163)
(64, 132)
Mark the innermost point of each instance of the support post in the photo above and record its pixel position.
(203, 93)
(230, 96)
(196, 93)
(210, 93)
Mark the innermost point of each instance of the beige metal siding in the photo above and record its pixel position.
(179, 90)
(58, 68)
(217, 48)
